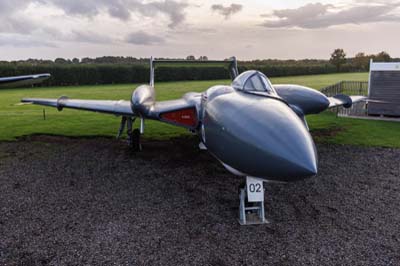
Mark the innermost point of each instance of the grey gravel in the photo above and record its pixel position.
(66, 201)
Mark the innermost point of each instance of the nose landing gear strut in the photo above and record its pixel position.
(251, 208)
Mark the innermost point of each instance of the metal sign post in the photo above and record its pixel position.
(251, 208)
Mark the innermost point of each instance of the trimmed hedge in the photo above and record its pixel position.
(92, 74)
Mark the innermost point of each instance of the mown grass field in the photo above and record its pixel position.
(17, 121)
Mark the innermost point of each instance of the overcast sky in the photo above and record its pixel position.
(251, 29)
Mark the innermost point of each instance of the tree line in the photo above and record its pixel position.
(93, 74)
(113, 70)
(360, 61)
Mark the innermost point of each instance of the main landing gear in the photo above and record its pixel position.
(133, 134)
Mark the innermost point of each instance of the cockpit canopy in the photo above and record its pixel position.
(253, 81)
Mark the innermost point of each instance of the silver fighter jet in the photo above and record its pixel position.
(252, 127)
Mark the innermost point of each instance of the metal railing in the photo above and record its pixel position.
(349, 88)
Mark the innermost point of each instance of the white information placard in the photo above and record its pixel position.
(255, 189)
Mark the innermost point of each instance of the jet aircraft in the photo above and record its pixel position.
(252, 127)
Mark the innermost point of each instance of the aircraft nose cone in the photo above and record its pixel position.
(305, 166)
(266, 139)
(285, 146)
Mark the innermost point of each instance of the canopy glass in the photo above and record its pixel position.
(253, 81)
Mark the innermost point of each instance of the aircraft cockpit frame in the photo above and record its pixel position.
(254, 81)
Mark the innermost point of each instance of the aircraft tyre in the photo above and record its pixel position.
(135, 144)
(134, 140)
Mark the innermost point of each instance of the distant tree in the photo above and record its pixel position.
(75, 61)
(338, 58)
(86, 60)
(190, 57)
(60, 61)
(203, 58)
(361, 61)
(382, 57)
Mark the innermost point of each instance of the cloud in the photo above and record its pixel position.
(28, 31)
(227, 11)
(173, 9)
(11, 6)
(143, 38)
(88, 37)
(16, 25)
(119, 12)
(123, 9)
(320, 15)
(23, 41)
(11, 21)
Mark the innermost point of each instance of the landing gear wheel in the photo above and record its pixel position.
(134, 140)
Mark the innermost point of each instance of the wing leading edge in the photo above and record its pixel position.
(8, 82)
(102, 106)
(181, 112)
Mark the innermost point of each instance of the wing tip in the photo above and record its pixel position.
(347, 101)
(26, 100)
(41, 77)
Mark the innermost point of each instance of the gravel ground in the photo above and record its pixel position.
(90, 202)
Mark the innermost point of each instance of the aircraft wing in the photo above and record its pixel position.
(22, 80)
(102, 106)
(344, 100)
(180, 112)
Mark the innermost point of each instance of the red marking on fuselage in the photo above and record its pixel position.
(184, 117)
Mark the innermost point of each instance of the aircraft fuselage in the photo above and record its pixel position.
(256, 135)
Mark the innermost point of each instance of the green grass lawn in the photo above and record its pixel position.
(320, 81)
(16, 121)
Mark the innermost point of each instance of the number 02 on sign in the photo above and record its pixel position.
(255, 189)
